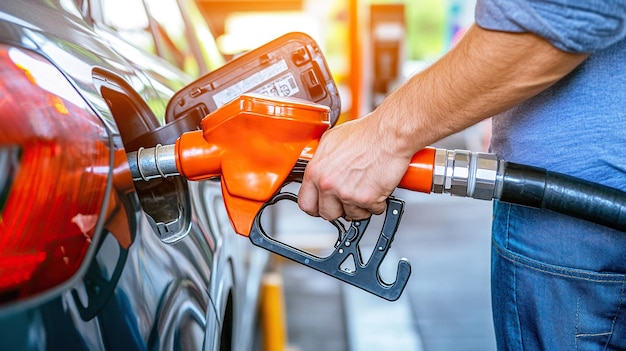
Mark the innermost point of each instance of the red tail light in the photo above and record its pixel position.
(54, 157)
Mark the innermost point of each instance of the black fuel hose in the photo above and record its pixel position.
(539, 188)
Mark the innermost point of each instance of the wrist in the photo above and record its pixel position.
(404, 121)
(397, 128)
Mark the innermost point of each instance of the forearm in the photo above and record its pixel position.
(358, 164)
(486, 73)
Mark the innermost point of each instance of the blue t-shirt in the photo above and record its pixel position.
(576, 127)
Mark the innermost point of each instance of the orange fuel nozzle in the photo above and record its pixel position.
(253, 143)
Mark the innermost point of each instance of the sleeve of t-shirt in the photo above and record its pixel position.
(580, 26)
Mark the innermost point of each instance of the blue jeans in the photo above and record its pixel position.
(558, 283)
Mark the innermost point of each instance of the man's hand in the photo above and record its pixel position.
(353, 172)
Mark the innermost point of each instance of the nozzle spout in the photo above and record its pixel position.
(153, 162)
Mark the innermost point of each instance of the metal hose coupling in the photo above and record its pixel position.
(153, 162)
(465, 173)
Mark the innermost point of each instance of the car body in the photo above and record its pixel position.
(90, 260)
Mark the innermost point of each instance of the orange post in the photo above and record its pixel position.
(273, 313)
(356, 58)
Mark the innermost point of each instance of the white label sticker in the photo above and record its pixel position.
(223, 97)
(284, 85)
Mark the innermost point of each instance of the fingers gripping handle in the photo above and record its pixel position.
(365, 275)
(418, 177)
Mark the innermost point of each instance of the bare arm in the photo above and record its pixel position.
(358, 164)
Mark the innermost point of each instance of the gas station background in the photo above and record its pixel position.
(369, 45)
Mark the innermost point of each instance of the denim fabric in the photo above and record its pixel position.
(549, 290)
(558, 282)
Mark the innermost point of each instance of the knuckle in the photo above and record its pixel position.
(346, 195)
(364, 199)
(326, 184)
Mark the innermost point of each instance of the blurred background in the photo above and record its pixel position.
(370, 47)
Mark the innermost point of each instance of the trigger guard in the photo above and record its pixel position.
(292, 197)
(366, 275)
